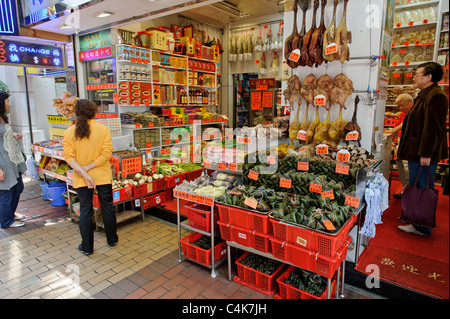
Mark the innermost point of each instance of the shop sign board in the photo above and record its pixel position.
(8, 18)
(30, 54)
(96, 40)
(96, 54)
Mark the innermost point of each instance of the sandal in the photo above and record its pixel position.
(17, 224)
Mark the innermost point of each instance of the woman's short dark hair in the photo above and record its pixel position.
(84, 110)
(433, 68)
(3, 97)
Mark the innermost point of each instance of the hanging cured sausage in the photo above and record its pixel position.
(315, 47)
(288, 44)
(306, 60)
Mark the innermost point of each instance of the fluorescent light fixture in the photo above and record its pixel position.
(103, 14)
(231, 9)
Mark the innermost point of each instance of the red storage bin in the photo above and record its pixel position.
(225, 230)
(326, 244)
(147, 188)
(172, 181)
(192, 175)
(199, 216)
(200, 255)
(246, 219)
(255, 279)
(286, 291)
(250, 238)
(157, 199)
(119, 196)
(308, 260)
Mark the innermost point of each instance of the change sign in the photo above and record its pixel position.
(30, 54)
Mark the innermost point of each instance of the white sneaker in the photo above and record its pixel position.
(17, 224)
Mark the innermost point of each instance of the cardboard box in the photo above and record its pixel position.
(158, 40)
(208, 53)
(177, 31)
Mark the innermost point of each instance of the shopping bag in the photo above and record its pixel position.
(419, 205)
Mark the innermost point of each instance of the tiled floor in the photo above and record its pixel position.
(40, 260)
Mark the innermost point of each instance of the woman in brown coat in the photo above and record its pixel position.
(425, 139)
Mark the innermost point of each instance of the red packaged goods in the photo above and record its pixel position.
(177, 31)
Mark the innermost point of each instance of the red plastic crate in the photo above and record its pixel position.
(192, 175)
(200, 255)
(119, 196)
(127, 164)
(310, 239)
(245, 237)
(199, 216)
(157, 199)
(148, 188)
(172, 181)
(308, 260)
(255, 279)
(245, 219)
(286, 291)
(225, 230)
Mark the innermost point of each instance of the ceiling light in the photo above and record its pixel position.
(103, 14)
(230, 8)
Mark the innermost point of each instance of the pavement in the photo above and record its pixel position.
(40, 261)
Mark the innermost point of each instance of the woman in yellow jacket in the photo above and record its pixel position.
(87, 149)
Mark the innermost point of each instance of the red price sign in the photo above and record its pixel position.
(315, 188)
(320, 100)
(253, 175)
(410, 23)
(417, 42)
(303, 166)
(285, 183)
(352, 136)
(321, 149)
(425, 21)
(267, 99)
(393, 45)
(251, 202)
(407, 62)
(343, 156)
(395, 63)
(331, 49)
(261, 87)
(302, 135)
(352, 201)
(232, 167)
(223, 166)
(271, 160)
(406, 44)
(398, 25)
(342, 169)
(328, 194)
(244, 140)
(256, 100)
(295, 55)
(206, 163)
(328, 224)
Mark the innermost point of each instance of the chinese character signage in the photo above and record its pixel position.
(22, 53)
(8, 18)
(96, 40)
(96, 54)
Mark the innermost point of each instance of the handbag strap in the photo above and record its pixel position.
(428, 177)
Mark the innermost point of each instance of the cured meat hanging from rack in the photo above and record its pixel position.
(315, 47)
(324, 86)
(292, 91)
(329, 36)
(353, 125)
(308, 88)
(343, 88)
(288, 44)
(343, 37)
(300, 38)
(306, 60)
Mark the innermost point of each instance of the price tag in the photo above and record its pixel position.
(406, 44)
(295, 55)
(302, 135)
(251, 202)
(285, 182)
(208, 201)
(425, 21)
(417, 42)
(321, 149)
(315, 188)
(244, 140)
(261, 87)
(352, 201)
(393, 45)
(320, 100)
(303, 166)
(352, 136)
(165, 151)
(137, 125)
(267, 99)
(410, 23)
(407, 62)
(151, 124)
(328, 193)
(206, 163)
(398, 25)
(271, 160)
(342, 169)
(328, 224)
(115, 97)
(395, 63)
(232, 167)
(331, 49)
(253, 175)
(223, 166)
(343, 156)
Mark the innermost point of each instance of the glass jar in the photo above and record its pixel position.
(429, 51)
(408, 76)
(396, 77)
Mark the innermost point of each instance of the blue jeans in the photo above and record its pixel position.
(9, 200)
(422, 184)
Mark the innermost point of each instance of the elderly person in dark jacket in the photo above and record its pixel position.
(425, 137)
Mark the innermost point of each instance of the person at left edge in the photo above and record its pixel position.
(87, 149)
(12, 166)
